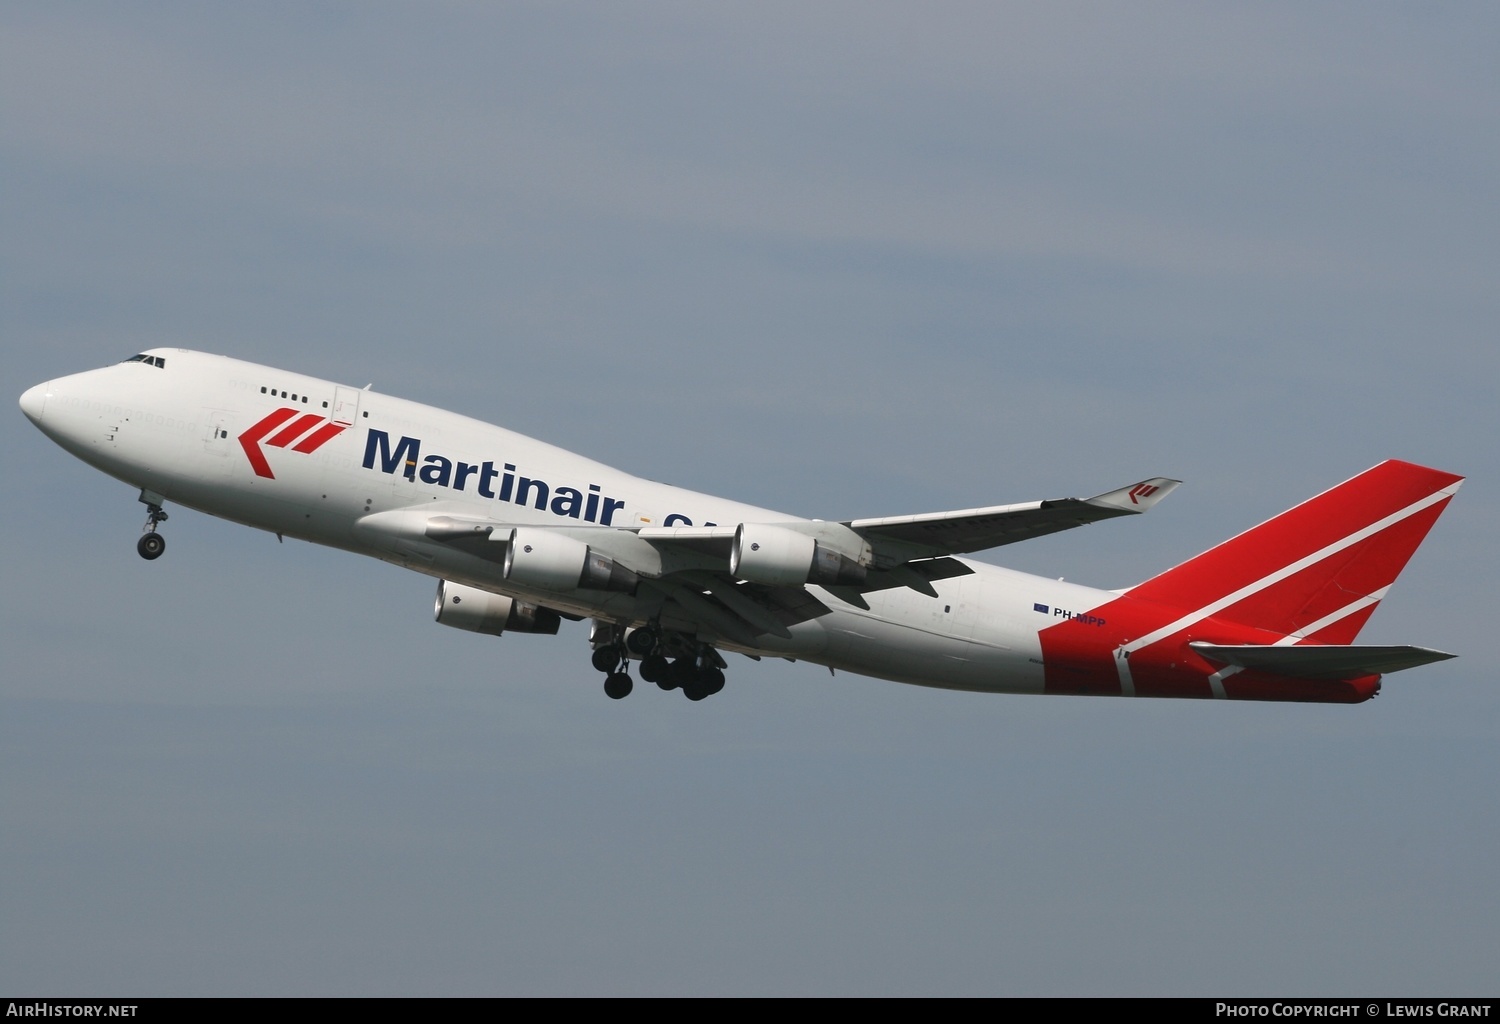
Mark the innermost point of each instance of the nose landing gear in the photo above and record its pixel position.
(152, 544)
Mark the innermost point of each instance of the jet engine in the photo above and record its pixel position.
(554, 561)
(479, 611)
(779, 557)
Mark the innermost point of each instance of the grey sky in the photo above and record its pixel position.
(853, 260)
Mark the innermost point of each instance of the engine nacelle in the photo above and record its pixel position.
(778, 557)
(479, 611)
(554, 561)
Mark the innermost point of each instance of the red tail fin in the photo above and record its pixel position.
(1318, 570)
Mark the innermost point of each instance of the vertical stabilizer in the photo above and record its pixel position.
(1318, 570)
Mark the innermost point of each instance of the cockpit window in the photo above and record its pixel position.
(157, 361)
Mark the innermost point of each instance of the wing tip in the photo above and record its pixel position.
(1137, 497)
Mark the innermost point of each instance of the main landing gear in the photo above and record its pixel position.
(152, 544)
(671, 661)
(617, 682)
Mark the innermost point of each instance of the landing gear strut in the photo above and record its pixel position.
(152, 544)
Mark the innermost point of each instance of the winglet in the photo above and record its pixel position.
(1137, 497)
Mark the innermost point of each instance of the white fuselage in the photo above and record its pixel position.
(177, 430)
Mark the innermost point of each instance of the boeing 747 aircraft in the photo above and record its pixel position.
(521, 534)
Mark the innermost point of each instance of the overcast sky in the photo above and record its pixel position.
(839, 259)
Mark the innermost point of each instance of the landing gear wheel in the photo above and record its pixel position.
(654, 669)
(641, 642)
(713, 681)
(151, 545)
(679, 673)
(618, 685)
(695, 690)
(607, 658)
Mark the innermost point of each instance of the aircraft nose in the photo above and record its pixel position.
(34, 402)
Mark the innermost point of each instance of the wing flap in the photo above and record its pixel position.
(738, 611)
(713, 541)
(1320, 661)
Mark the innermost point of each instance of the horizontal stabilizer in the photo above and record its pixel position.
(1320, 661)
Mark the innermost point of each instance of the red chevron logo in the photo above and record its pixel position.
(1142, 491)
(305, 426)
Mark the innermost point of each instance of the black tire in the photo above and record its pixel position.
(713, 680)
(654, 669)
(694, 690)
(618, 685)
(151, 545)
(641, 642)
(607, 658)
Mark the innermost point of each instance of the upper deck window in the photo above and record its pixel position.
(156, 361)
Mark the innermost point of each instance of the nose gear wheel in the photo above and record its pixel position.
(152, 544)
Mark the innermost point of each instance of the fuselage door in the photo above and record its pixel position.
(216, 439)
(345, 405)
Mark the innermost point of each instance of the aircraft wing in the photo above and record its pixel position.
(899, 539)
(688, 568)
